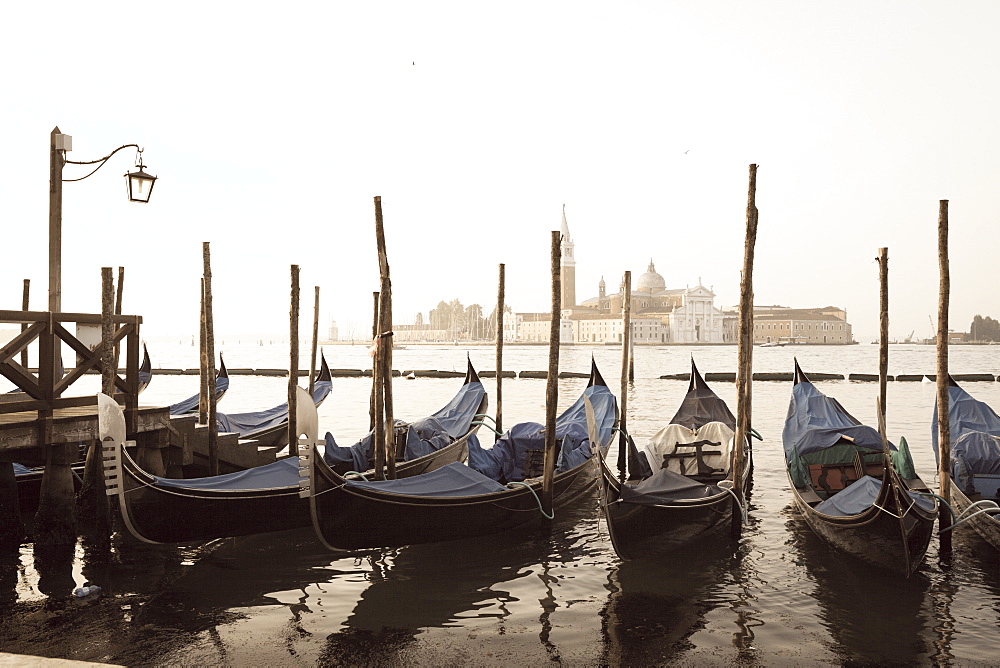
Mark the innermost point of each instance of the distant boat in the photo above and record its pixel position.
(771, 344)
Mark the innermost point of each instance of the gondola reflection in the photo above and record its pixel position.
(497, 579)
(656, 606)
(873, 617)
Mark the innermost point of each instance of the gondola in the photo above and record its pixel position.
(975, 461)
(266, 498)
(861, 500)
(190, 405)
(498, 491)
(145, 370)
(689, 497)
(270, 427)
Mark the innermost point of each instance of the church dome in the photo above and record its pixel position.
(651, 281)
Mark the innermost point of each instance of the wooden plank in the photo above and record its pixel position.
(69, 425)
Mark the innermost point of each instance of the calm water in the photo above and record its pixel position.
(559, 595)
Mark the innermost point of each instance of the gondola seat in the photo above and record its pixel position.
(682, 450)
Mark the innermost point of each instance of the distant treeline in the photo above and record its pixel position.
(462, 321)
(984, 329)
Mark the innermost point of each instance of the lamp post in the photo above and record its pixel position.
(139, 183)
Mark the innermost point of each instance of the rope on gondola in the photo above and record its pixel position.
(537, 500)
(480, 423)
(989, 508)
(727, 485)
(941, 499)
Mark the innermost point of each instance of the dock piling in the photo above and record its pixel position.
(552, 382)
(627, 374)
(293, 366)
(944, 422)
(500, 299)
(744, 367)
(11, 526)
(209, 363)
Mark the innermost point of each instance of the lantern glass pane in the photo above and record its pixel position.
(140, 187)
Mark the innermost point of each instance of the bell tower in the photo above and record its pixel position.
(567, 265)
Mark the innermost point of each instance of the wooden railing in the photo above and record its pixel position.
(42, 390)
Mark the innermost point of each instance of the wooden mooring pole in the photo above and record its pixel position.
(118, 300)
(293, 363)
(744, 367)
(209, 360)
(500, 299)
(943, 408)
(202, 362)
(315, 343)
(385, 342)
(92, 503)
(11, 526)
(373, 350)
(552, 382)
(883, 328)
(626, 374)
(108, 361)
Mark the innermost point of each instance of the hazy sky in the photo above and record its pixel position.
(271, 130)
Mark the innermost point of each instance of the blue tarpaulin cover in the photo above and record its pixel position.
(190, 405)
(975, 439)
(980, 452)
(816, 422)
(859, 497)
(665, 486)
(965, 414)
(20, 469)
(282, 473)
(422, 436)
(455, 479)
(505, 460)
(248, 424)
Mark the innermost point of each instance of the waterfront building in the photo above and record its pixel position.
(782, 324)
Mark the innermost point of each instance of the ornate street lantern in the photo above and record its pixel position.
(140, 184)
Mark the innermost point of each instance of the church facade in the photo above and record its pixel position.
(658, 314)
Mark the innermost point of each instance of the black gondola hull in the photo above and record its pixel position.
(878, 536)
(184, 515)
(987, 526)
(641, 530)
(351, 518)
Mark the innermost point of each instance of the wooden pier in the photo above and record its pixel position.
(41, 427)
